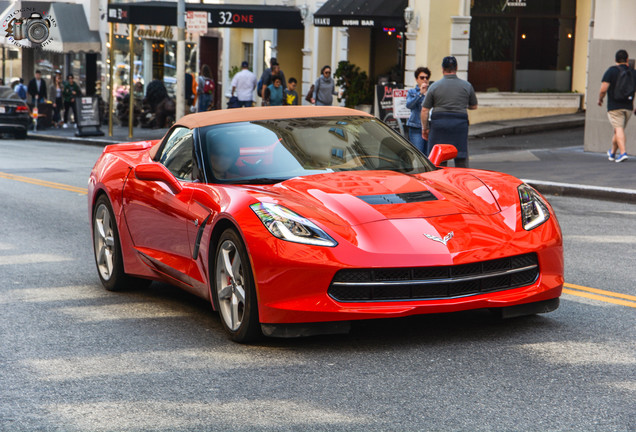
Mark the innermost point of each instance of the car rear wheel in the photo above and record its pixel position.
(108, 257)
(233, 290)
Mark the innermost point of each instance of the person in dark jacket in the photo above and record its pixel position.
(71, 91)
(37, 89)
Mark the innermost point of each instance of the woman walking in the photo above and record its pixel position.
(56, 92)
(205, 88)
(414, 99)
(324, 88)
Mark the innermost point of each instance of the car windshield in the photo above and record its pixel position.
(270, 151)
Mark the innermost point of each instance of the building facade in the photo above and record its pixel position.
(612, 28)
(71, 42)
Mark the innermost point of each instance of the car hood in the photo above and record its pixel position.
(354, 198)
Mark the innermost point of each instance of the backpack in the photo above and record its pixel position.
(22, 91)
(625, 87)
(259, 88)
(208, 86)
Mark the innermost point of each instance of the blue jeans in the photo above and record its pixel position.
(204, 102)
(243, 104)
(415, 136)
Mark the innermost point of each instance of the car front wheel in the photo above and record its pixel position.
(108, 257)
(234, 292)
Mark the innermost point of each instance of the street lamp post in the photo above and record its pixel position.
(180, 59)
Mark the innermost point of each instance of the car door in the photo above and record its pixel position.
(158, 216)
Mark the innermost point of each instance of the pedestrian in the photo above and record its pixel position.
(448, 98)
(324, 88)
(618, 83)
(414, 99)
(244, 83)
(56, 90)
(205, 89)
(189, 92)
(37, 89)
(290, 94)
(274, 92)
(266, 77)
(70, 92)
(21, 90)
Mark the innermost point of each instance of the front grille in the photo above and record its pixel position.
(349, 285)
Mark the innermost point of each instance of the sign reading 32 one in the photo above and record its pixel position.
(228, 18)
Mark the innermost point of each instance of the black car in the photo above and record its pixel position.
(15, 115)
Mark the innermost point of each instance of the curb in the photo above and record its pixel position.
(497, 130)
(584, 191)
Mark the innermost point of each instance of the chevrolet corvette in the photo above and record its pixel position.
(295, 221)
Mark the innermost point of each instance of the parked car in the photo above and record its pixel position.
(294, 221)
(15, 116)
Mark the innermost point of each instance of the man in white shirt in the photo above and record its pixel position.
(244, 83)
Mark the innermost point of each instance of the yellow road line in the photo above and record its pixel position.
(601, 295)
(598, 291)
(44, 183)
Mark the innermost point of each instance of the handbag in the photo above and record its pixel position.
(233, 102)
(310, 94)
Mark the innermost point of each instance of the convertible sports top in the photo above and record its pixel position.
(263, 113)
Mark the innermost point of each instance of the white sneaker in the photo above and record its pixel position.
(65, 126)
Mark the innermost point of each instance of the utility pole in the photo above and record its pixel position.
(180, 59)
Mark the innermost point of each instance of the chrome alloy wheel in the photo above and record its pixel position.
(230, 285)
(104, 239)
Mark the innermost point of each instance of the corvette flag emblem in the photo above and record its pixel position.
(444, 240)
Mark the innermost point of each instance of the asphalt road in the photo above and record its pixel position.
(74, 357)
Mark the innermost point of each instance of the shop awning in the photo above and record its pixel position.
(71, 33)
(219, 15)
(362, 13)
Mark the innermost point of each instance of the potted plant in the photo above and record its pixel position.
(356, 85)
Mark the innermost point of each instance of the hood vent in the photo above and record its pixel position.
(403, 198)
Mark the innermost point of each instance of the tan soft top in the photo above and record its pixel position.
(263, 113)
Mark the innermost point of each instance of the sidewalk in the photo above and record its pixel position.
(554, 169)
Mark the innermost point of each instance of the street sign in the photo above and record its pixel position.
(197, 22)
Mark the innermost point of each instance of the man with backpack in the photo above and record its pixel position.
(619, 84)
(21, 90)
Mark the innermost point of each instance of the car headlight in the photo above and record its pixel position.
(287, 225)
(534, 210)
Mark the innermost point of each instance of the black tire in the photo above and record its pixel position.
(107, 250)
(21, 134)
(233, 289)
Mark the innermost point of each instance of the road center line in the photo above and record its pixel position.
(600, 295)
(44, 183)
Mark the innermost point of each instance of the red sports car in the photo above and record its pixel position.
(297, 220)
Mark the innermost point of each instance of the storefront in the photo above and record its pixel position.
(225, 23)
(68, 45)
(372, 36)
(522, 46)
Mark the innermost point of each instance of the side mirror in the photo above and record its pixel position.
(441, 153)
(159, 173)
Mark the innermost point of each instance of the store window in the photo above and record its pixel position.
(522, 46)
